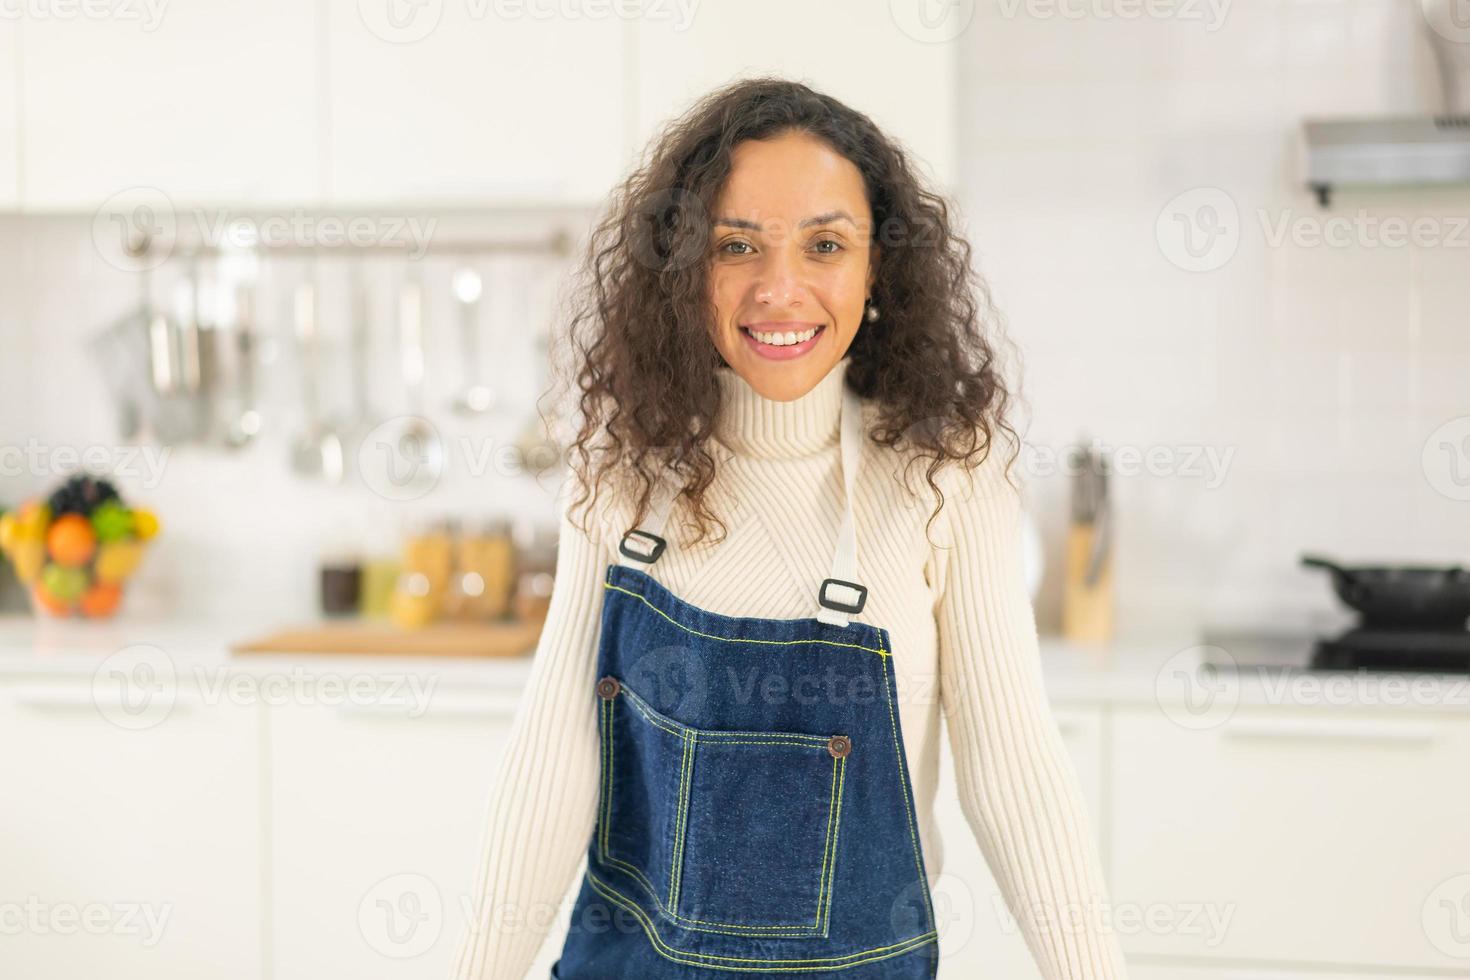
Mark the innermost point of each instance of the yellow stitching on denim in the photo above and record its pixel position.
(903, 783)
(704, 959)
(736, 639)
(796, 932)
(637, 873)
(826, 913)
(827, 842)
(686, 735)
(606, 812)
(676, 867)
(816, 740)
(678, 729)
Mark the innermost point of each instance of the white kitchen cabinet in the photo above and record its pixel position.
(484, 102)
(214, 101)
(9, 118)
(376, 818)
(129, 842)
(978, 935)
(1154, 971)
(869, 56)
(1327, 836)
(1138, 971)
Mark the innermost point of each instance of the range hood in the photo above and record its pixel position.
(1402, 150)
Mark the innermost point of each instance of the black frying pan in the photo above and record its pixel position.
(1416, 597)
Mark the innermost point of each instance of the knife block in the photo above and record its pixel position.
(1087, 610)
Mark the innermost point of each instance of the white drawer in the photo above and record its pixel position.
(1155, 972)
(1330, 836)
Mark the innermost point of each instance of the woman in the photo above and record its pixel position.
(740, 731)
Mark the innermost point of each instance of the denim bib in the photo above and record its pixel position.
(754, 815)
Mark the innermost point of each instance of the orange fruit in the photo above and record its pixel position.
(101, 599)
(71, 540)
(49, 602)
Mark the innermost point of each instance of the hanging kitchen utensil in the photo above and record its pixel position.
(123, 354)
(359, 340)
(416, 448)
(317, 449)
(174, 367)
(244, 417)
(474, 397)
(204, 353)
(541, 441)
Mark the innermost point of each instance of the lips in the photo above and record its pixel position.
(775, 332)
(781, 352)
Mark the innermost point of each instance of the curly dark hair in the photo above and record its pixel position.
(642, 355)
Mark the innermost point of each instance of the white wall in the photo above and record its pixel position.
(1323, 369)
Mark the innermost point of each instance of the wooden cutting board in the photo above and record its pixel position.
(502, 639)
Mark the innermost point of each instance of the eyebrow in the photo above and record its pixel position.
(821, 219)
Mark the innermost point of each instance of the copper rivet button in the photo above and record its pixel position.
(608, 688)
(839, 746)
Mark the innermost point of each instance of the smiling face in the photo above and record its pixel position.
(791, 262)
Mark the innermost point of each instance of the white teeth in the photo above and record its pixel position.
(785, 339)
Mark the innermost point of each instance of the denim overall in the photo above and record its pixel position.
(754, 813)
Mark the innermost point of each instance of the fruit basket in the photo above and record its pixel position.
(75, 550)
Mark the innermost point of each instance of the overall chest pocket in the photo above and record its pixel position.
(731, 832)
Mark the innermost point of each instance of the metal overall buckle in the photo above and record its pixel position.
(854, 607)
(649, 557)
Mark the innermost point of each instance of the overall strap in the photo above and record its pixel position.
(642, 545)
(839, 596)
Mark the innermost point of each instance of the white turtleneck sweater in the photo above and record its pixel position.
(964, 642)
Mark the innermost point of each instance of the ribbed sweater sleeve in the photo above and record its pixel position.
(543, 801)
(1017, 786)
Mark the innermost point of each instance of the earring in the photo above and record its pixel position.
(871, 313)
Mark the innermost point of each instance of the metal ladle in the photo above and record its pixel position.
(415, 442)
(473, 398)
(317, 450)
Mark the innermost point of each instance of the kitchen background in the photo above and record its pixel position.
(1265, 377)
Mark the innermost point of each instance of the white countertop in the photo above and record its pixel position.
(1160, 672)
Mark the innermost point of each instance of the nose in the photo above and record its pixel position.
(778, 281)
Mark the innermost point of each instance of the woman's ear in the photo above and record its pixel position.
(874, 255)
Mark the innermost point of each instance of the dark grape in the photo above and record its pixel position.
(80, 494)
